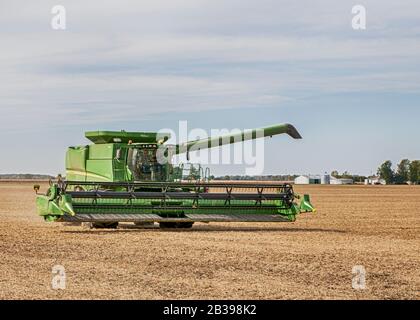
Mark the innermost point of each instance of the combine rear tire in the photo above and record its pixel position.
(175, 225)
(144, 224)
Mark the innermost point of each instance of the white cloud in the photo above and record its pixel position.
(132, 58)
(124, 60)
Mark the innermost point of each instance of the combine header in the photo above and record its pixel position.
(121, 178)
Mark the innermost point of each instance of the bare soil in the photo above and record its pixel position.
(373, 226)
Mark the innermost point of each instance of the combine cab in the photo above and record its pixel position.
(128, 177)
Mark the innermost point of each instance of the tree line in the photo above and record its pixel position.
(347, 175)
(25, 176)
(256, 178)
(406, 171)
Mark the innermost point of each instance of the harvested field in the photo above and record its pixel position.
(374, 226)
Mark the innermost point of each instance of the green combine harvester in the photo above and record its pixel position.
(128, 177)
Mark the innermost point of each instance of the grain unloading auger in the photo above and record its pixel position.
(121, 178)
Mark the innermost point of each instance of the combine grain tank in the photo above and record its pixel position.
(129, 177)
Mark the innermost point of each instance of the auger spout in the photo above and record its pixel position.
(240, 136)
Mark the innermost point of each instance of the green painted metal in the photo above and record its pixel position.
(54, 204)
(124, 165)
(169, 201)
(239, 137)
(99, 137)
(306, 205)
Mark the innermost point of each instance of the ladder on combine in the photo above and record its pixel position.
(192, 173)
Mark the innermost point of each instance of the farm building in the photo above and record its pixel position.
(325, 179)
(374, 181)
(308, 180)
(337, 181)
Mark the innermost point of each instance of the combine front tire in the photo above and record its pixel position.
(105, 225)
(144, 224)
(176, 225)
(167, 225)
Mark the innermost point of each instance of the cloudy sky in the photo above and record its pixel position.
(145, 65)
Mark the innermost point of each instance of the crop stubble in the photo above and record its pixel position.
(373, 226)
